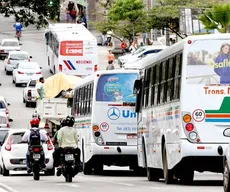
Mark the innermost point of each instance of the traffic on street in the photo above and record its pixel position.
(92, 96)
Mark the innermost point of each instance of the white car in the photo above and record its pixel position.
(30, 93)
(24, 71)
(8, 45)
(4, 107)
(13, 58)
(4, 122)
(139, 53)
(13, 153)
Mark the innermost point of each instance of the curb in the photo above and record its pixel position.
(7, 188)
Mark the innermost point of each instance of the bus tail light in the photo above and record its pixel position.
(95, 128)
(95, 68)
(189, 127)
(60, 67)
(97, 134)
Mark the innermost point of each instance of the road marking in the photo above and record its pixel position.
(112, 182)
(6, 188)
(69, 185)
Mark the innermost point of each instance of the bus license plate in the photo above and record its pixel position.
(36, 156)
(69, 157)
(131, 136)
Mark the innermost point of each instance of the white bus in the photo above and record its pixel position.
(183, 107)
(104, 110)
(72, 49)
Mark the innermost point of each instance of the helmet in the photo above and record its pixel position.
(63, 123)
(70, 121)
(34, 122)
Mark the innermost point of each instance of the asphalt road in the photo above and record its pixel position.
(113, 179)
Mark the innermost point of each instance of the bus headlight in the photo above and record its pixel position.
(192, 135)
(99, 140)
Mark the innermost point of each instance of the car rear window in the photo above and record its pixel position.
(2, 120)
(2, 105)
(17, 138)
(3, 134)
(32, 83)
(18, 56)
(28, 66)
(10, 43)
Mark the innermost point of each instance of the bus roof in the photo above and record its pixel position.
(71, 32)
(181, 44)
(91, 77)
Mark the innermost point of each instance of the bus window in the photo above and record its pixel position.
(116, 87)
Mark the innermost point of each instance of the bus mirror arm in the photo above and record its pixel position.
(137, 87)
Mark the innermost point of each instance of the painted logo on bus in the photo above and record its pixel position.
(71, 48)
(114, 113)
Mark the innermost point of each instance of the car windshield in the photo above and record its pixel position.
(28, 66)
(3, 134)
(10, 43)
(17, 138)
(19, 56)
(2, 120)
(2, 105)
(138, 51)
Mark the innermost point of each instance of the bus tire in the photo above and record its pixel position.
(98, 169)
(187, 176)
(226, 177)
(168, 174)
(152, 174)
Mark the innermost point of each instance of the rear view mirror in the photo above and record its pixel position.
(69, 102)
(8, 104)
(31, 57)
(40, 67)
(20, 43)
(227, 132)
(11, 120)
(137, 87)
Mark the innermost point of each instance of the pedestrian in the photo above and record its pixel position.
(110, 66)
(73, 15)
(67, 15)
(148, 41)
(104, 39)
(111, 57)
(123, 47)
(40, 88)
(132, 48)
(109, 38)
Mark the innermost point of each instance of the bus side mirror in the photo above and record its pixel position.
(137, 87)
(69, 102)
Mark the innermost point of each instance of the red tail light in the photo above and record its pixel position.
(36, 149)
(7, 111)
(8, 144)
(95, 68)
(189, 127)
(39, 72)
(19, 72)
(28, 60)
(1, 51)
(46, 126)
(8, 62)
(29, 93)
(49, 144)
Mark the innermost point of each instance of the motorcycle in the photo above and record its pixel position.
(68, 163)
(36, 153)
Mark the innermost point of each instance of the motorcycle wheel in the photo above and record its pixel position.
(68, 178)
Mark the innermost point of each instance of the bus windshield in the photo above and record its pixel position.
(116, 87)
(208, 62)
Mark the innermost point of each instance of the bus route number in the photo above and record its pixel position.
(198, 115)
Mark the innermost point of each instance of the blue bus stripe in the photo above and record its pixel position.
(217, 120)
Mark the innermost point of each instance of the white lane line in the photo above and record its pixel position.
(69, 185)
(7, 188)
(112, 182)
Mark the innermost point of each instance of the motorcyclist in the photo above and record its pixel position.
(68, 137)
(26, 138)
(18, 28)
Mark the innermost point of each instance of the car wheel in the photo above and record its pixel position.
(13, 80)
(8, 72)
(5, 172)
(27, 104)
(24, 101)
(0, 170)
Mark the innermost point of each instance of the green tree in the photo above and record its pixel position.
(30, 12)
(217, 18)
(127, 12)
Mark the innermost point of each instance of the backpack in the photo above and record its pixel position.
(35, 137)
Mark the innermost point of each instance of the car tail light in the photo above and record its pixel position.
(8, 144)
(28, 60)
(7, 111)
(39, 72)
(95, 68)
(46, 126)
(19, 72)
(7, 123)
(49, 144)
(1, 51)
(29, 94)
(189, 127)
(8, 62)
(36, 149)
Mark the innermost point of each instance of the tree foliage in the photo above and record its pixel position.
(217, 18)
(30, 12)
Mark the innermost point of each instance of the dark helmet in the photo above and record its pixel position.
(63, 123)
(70, 121)
(34, 122)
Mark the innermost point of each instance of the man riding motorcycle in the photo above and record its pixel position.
(34, 123)
(18, 28)
(68, 137)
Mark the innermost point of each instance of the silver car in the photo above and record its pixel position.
(13, 58)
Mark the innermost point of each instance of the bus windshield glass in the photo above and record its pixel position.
(208, 62)
(116, 87)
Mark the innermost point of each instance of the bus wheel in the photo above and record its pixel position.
(226, 176)
(87, 168)
(168, 174)
(152, 174)
(187, 177)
